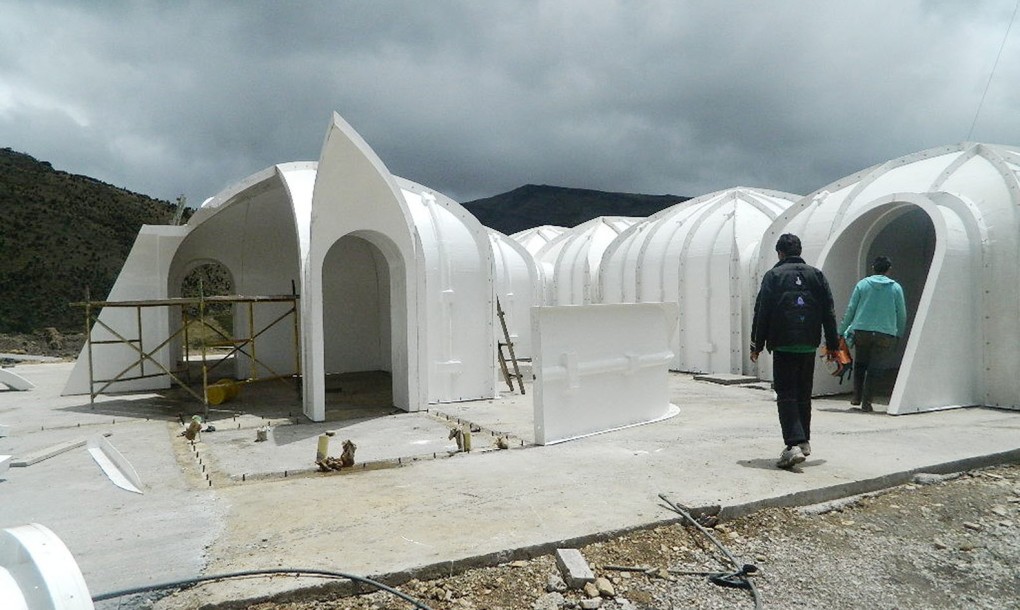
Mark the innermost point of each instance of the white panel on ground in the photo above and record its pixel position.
(600, 368)
(37, 572)
(15, 381)
(114, 464)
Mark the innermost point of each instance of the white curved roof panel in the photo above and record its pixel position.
(536, 238)
(572, 260)
(697, 254)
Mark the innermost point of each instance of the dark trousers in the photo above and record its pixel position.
(792, 377)
(869, 346)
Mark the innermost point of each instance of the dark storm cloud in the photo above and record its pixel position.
(474, 98)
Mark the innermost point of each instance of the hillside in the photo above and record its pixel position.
(534, 205)
(60, 233)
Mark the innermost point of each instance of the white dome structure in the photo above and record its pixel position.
(697, 254)
(949, 218)
(536, 238)
(392, 276)
(518, 288)
(570, 262)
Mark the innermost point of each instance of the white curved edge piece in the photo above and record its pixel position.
(114, 464)
(672, 411)
(38, 572)
(15, 381)
(5, 463)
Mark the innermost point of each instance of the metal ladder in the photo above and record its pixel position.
(509, 345)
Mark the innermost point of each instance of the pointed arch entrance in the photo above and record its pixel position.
(364, 315)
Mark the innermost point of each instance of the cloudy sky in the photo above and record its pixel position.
(476, 98)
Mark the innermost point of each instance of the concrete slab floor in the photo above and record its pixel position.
(439, 511)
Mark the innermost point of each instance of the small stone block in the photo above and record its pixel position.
(574, 568)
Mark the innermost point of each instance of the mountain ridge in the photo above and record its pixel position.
(534, 205)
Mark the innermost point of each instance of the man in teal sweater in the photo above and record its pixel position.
(875, 319)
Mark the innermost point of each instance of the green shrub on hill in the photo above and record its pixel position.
(60, 234)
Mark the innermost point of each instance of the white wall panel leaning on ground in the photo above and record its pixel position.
(698, 254)
(949, 218)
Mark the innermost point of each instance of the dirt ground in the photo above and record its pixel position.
(47, 342)
(941, 542)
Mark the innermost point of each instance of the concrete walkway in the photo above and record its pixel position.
(413, 505)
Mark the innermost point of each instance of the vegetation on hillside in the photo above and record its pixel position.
(60, 234)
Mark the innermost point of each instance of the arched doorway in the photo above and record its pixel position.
(363, 312)
(905, 233)
(909, 241)
(204, 277)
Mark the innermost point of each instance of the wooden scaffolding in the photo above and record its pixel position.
(182, 376)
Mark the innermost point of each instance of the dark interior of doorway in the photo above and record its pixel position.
(359, 394)
(909, 241)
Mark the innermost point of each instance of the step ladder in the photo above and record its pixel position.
(503, 357)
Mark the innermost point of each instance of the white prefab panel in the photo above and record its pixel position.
(143, 276)
(518, 288)
(459, 298)
(355, 194)
(600, 367)
(947, 324)
(15, 381)
(38, 572)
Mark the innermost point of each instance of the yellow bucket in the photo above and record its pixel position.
(222, 391)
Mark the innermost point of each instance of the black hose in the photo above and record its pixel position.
(733, 579)
(201, 579)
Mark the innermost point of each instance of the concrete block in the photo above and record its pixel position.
(574, 568)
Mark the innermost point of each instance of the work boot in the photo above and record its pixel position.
(790, 457)
(805, 448)
(867, 408)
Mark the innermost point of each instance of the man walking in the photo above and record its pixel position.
(875, 319)
(793, 307)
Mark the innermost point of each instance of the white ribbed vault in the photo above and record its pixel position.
(697, 254)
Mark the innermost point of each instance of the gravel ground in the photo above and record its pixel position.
(937, 543)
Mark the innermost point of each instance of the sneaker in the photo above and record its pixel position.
(867, 408)
(790, 457)
(805, 448)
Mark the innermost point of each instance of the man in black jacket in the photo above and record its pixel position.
(793, 306)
